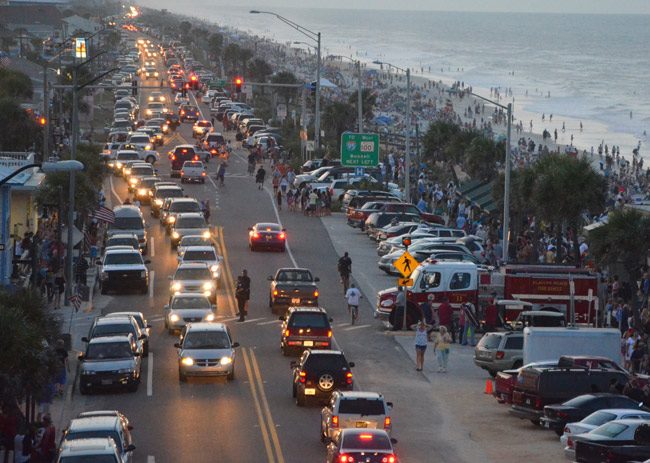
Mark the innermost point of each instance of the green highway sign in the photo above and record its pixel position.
(360, 149)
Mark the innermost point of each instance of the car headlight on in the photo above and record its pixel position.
(173, 317)
(118, 164)
(149, 112)
(133, 181)
(127, 171)
(209, 317)
(165, 128)
(214, 268)
(208, 286)
(176, 286)
(225, 360)
(171, 219)
(158, 202)
(206, 234)
(189, 361)
(111, 164)
(150, 98)
(155, 73)
(148, 147)
(142, 192)
(176, 235)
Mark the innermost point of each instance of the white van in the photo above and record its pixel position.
(128, 219)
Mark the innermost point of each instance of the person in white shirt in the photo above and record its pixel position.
(353, 296)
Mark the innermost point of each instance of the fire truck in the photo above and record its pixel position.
(542, 287)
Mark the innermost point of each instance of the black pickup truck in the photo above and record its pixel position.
(615, 451)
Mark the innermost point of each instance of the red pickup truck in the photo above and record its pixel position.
(357, 217)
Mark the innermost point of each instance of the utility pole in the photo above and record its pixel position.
(46, 115)
(317, 115)
(69, 272)
(360, 98)
(506, 194)
(407, 158)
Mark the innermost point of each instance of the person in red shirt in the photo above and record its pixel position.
(47, 446)
(491, 314)
(445, 317)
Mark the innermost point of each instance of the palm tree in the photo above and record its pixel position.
(437, 138)
(337, 118)
(564, 189)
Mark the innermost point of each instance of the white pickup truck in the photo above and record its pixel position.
(193, 171)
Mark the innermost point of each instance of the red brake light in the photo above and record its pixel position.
(203, 174)
(500, 354)
(173, 157)
(329, 335)
(365, 436)
(315, 293)
(348, 379)
(335, 421)
(389, 459)
(303, 376)
(569, 442)
(182, 112)
(287, 333)
(346, 459)
(282, 236)
(256, 235)
(387, 422)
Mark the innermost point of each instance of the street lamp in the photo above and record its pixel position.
(315, 36)
(47, 167)
(357, 63)
(506, 182)
(407, 158)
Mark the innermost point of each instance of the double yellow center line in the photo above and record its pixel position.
(264, 417)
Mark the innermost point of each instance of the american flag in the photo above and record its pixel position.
(88, 240)
(104, 214)
(75, 300)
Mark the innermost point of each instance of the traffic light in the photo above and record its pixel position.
(238, 83)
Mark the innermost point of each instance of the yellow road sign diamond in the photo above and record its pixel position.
(406, 264)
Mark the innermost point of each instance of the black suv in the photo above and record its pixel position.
(305, 328)
(188, 113)
(318, 373)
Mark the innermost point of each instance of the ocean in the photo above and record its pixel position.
(596, 68)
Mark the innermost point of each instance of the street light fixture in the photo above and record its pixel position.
(315, 36)
(47, 167)
(506, 181)
(407, 143)
(357, 63)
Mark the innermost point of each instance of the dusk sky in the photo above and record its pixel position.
(546, 6)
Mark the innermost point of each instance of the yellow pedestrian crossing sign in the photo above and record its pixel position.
(406, 264)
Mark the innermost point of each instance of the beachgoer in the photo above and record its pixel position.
(421, 342)
(441, 348)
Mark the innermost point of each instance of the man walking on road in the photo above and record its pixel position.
(345, 269)
(243, 294)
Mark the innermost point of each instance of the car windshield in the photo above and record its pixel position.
(110, 329)
(598, 418)
(268, 227)
(295, 275)
(194, 164)
(126, 258)
(193, 274)
(365, 442)
(491, 341)
(194, 241)
(184, 206)
(88, 459)
(611, 429)
(190, 222)
(203, 124)
(108, 350)
(122, 242)
(192, 254)
(73, 435)
(362, 406)
(142, 170)
(127, 223)
(127, 156)
(191, 302)
(169, 193)
(206, 340)
(308, 320)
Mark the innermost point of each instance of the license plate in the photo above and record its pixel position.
(106, 382)
(361, 424)
(546, 424)
(308, 343)
(528, 401)
(310, 391)
(295, 300)
(268, 238)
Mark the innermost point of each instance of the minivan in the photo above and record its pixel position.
(128, 219)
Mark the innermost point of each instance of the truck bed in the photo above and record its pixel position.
(610, 452)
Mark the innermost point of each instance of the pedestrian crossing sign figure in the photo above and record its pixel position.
(406, 264)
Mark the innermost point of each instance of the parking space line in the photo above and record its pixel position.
(152, 278)
(152, 247)
(258, 408)
(150, 374)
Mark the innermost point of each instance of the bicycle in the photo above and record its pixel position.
(354, 313)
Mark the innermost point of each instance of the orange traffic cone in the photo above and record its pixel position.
(489, 386)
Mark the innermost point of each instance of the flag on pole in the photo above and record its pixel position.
(104, 214)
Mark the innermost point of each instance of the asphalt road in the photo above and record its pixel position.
(254, 418)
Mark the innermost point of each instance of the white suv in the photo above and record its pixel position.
(92, 449)
(354, 409)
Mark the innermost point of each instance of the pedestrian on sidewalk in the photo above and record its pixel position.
(441, 348)
(59, 287)
(421, 342)
(63, 366)
(243, 294)
(81, 270)
(278, 198)
(469, 325)
(46, 448)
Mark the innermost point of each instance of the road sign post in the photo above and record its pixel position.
(405, 264)
(359, 149)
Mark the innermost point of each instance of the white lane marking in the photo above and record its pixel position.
(196, 103)
(151, 459)
(150, 375)
(152, 247)
(355, 327)
(271, 322)
(157, 318)
(229, 319)
(152, 278)
(254, 320)
(110, 180)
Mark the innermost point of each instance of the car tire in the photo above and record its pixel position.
(285, 351)
(301, 400)
(294, 392)
(323, 435)
(231, 375)
(271, 303)
(203, 180)
(517, 364)
(182, 377)
(144, 289)
(150, 159)
(283, 249)
(145, 350)
(133, 387)
(252, 248)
